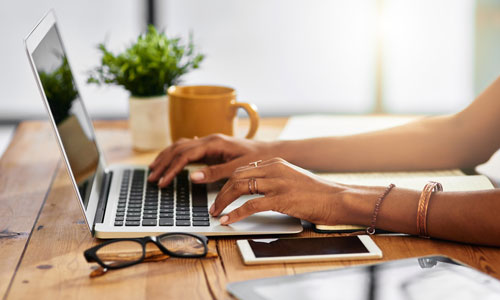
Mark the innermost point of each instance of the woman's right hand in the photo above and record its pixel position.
(222, 153)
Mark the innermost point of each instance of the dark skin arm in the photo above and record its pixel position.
(462, 140)
(470, 217)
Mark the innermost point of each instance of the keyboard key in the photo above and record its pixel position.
(182, 217)
(166, 222)
(200, 218)
(183, 223)
(120, 214)
(132, 223)
(199, 194)
(133, 209)
(150, 216)
(201, 223)
(119, 218)
(182, 208)
(166, 215)
(170, 210)
(118, 223)
(200, 214)
(133, 214)
(200, 209)
(149, 222)
(133, 218)
(150, 211)
(182, 213)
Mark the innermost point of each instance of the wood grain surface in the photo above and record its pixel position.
(43, 234)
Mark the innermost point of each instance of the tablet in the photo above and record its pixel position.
(267, 251)
(429, 278)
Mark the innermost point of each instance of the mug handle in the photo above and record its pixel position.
(251, 110)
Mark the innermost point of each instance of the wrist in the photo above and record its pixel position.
(283, 149)
(358, 203)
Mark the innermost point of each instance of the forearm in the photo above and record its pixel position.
(463, 140)
(430, 143)
(469, 217)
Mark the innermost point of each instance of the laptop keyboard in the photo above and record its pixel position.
(143, 203)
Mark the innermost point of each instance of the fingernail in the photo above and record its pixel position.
(223, 220)
(150, 176)
(212, 208)
(197, 176)
(161, 180)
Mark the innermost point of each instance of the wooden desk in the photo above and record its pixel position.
(43, 235)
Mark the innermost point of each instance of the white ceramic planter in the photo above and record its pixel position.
(148, 122)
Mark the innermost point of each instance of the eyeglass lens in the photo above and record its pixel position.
(120, 253)
(182, 245)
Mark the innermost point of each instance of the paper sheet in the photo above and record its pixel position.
(310, 126)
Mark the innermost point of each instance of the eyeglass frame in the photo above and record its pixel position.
(91, 253)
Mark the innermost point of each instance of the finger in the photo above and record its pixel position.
(170, 148)
(178, 163)
(237, 188)
(217, 172)
(273, 169)
(246, 174)
(249, 208)
(261, 163)
(168, 158)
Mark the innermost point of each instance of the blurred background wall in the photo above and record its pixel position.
(287, 56)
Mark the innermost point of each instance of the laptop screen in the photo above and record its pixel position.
(73, 125)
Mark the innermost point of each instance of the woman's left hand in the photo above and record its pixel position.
(286, 188)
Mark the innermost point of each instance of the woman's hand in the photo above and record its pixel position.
(286, 188)
(223, 153)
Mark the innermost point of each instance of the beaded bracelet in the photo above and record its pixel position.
(371, 230)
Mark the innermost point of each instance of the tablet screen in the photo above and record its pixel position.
(306, 246)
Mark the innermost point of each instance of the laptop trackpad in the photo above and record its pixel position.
(267, 221)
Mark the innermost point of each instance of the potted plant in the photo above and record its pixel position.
(146, 69)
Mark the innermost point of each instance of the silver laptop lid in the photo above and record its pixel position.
(72, 125)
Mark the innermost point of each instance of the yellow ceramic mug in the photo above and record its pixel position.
(203, 110)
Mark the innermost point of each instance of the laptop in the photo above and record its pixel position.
(116, 200)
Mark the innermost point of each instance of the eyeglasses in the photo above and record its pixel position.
(122, 253)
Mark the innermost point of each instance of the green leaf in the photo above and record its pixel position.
(148, 66)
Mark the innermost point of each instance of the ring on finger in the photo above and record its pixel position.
(255, 163)
(250, 186)
(255, 188)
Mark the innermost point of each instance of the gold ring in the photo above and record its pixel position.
(255, 189)
(255, 163)
(250, 186)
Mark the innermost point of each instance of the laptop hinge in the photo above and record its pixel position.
(103, 199)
